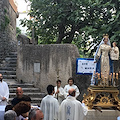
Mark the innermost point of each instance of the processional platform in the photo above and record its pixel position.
(102, 96)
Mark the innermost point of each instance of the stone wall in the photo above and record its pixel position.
(7, 31)
(42, 64)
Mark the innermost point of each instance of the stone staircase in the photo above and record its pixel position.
(8, 69)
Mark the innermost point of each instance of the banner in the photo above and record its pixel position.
(85, 66)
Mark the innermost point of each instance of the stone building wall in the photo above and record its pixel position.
(7, 28)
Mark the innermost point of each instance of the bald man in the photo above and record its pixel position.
(72, 109)
(4, 91)
(35, 114)
(20, 97)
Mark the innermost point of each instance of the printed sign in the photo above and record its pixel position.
(85, 65)
(37, 67)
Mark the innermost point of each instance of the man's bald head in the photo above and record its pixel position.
(39, 115)
(1, 77)
(19, 88)
(35, 114)
(0, 74)
(72, 92)
(19, 92)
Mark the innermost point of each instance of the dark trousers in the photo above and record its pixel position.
(115, 66)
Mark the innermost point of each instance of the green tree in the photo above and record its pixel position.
(81, 22)
(18, 31)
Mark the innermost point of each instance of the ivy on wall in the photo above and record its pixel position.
(6, 20)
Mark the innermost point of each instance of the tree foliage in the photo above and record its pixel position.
(18, 31)
(82, 22)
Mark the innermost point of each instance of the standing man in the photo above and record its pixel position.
(4, 91)
(71, 85)
(72, 109)
(59, 92)
(50, 105)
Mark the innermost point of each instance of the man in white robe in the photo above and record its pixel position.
(4, 91)
(59, 92)
(72, 109)
(118, 118)
(50, 105)
(71, 85)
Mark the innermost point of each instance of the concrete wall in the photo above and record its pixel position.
(52, 58)
(8, 34)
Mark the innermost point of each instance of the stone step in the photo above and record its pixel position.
(12, 62)
(1, 54)
(11, 56)
(10, 59)
(36, 104)
(1, 59)
(30, 94)
(11, 81)
(9, 76)
(11, 65)
(36, 100)
(4, 72)
(13, 53)
(22, 86)
(8, 68)
(26, 90)
(33, 100)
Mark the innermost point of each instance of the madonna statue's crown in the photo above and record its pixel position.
(105, 35)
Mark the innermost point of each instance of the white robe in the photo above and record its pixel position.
(67, 87)
(72, 109)
(118, 118)
(114, 55)
(60, 96)
(4, 92)
(50, 107)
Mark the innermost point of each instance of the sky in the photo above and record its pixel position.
(22, 5)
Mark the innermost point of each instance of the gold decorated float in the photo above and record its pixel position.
(104, 94)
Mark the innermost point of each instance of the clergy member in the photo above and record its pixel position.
(59, 92)
(118, 118)
(71, 85)
(4, 91)
(50, 105)
(72, 109)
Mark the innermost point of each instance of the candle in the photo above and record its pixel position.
(113, 75)
(105, 80)
(117, 76)
(110, 77)
(98, 75)
(94, 74)
(102, 75)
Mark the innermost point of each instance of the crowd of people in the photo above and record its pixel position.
(59, 104)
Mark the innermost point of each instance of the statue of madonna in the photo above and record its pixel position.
(102, 58)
